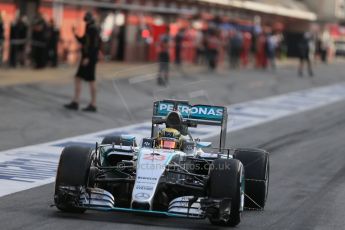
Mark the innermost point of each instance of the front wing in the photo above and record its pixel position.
(182, 207)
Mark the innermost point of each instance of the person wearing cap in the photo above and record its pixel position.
(90, 44)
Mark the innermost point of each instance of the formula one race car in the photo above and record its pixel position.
(171, 174)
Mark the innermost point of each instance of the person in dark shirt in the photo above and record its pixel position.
(90, 44)
(39, 42)
(213, 45)
(53, 35)
(304, 54)
(178, 46)
(2, 37)
(18, 36)
(22, 33)
(164, 59)
(235, 48)
(13, 43)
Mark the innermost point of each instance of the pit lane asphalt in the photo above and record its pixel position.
(307, 188)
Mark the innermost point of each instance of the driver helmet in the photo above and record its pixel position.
(169, 138)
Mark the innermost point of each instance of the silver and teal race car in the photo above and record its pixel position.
(172, 173)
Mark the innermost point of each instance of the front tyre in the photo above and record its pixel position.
(226, 180)
(73, 171)
(256, 165)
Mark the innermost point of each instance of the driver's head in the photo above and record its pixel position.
(169, 138)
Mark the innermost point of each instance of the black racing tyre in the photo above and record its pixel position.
(226, 180)
(73, 170)
(117, 140)
(256, 166)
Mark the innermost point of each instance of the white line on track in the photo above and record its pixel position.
(32, 166)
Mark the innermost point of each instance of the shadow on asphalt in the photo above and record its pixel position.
(136, 219)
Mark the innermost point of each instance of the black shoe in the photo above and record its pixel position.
(90, 108)
(160, 81)
(72, 106)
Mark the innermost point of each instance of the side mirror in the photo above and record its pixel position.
(203, 144)
(128, 137)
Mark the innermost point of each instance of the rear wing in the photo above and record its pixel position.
(192, 115)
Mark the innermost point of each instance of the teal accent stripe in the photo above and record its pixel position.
(169, 159)
(115, 209)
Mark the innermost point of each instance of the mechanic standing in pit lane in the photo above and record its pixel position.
(90, 43)
(163, 59)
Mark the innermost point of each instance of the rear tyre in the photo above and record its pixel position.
(118, 140)
(73, 170)
(256, 165)
(227, 181)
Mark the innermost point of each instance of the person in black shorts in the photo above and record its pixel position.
(90, 44)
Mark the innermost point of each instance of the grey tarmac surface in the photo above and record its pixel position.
(307, 189)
